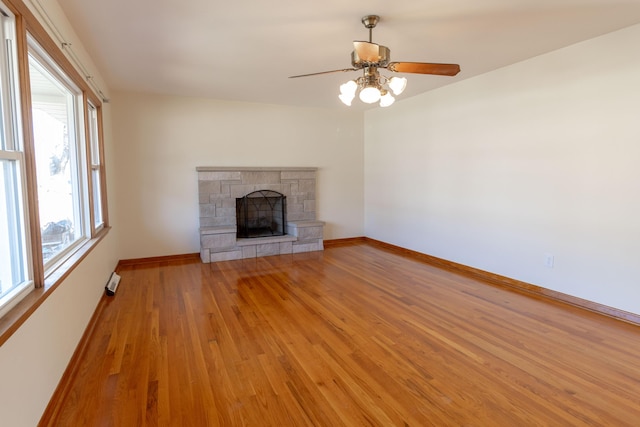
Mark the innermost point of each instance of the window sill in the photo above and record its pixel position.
(15, 317)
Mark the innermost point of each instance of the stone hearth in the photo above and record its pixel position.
(218, 189)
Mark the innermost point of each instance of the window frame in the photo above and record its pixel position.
(95, 160)
(12, 152)
(35, 31)
(77, 120)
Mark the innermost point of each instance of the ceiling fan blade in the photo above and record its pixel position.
(424, 68)
(367, 52)
(324, 72)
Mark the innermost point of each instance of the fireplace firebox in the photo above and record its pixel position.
(262, 213)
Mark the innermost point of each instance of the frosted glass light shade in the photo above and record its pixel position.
(369, 95)
(387, 100)
(346, 98)
(349, 88)
(397, 85)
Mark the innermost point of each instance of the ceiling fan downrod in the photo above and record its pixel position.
(370, 22)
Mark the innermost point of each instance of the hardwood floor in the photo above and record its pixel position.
(352, 336)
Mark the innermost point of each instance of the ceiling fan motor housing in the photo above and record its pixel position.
(380, 60)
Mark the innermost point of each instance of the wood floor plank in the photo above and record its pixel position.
(353, 336)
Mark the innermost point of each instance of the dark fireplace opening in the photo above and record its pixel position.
(262, 213)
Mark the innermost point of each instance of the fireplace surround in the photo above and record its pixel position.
(218, 189)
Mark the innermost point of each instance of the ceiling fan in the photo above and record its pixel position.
(369, 57)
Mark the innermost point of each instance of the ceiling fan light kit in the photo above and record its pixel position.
(372, 85)
(372, 89)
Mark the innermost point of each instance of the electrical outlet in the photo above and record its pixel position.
(548, 260)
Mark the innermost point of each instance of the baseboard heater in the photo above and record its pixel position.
(112, 285)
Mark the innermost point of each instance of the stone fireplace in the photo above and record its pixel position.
(290, 227)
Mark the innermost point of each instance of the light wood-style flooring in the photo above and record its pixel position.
(352, 336)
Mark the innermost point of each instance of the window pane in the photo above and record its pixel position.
(93, 135)
(13, 265)
(97, 201)
(57, 160)
(7, 84)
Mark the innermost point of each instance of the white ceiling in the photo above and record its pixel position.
(244, 50)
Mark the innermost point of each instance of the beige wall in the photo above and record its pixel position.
(537, 158)
(160, 140)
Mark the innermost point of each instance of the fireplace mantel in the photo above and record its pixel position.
(218, 189)
(253, 169)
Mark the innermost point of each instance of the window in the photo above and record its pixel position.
(15, 272)
(96, 167)
(56, 105)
